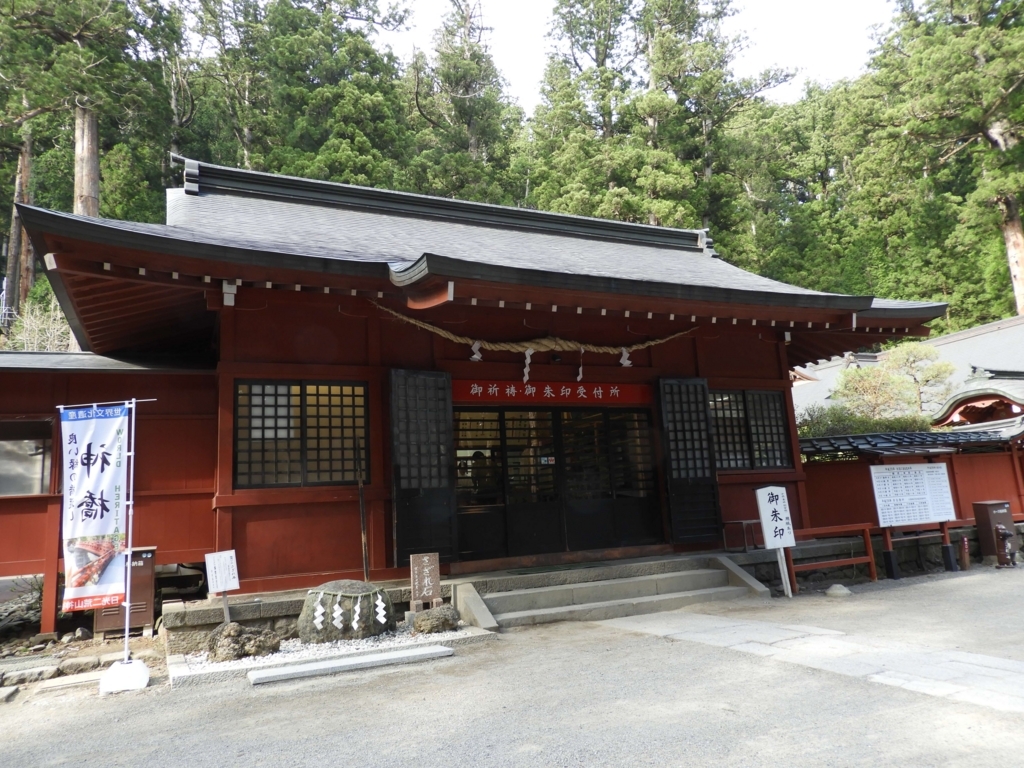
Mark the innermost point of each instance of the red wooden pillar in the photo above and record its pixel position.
(794, 439)
(51, 566)
(961, 513)
(1017, 475)
(54, 509)
(225, 430)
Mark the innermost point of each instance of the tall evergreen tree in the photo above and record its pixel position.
(464, 124)
(953, 71)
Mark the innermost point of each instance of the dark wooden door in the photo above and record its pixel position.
(587, 478)
(480, 485)
(690, 461)
(423, 464)
(637, 507)
(534, 507)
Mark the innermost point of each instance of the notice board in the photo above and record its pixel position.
(906, 494)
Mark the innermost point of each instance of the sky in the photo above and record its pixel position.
(824, 40)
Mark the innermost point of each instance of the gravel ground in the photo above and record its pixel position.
(566, 695)
(296, 650)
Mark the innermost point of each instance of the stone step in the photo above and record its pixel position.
(518, 600)
(504, 581)
(334, 666)
(614, 609)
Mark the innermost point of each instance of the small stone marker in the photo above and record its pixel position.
(426, 581)
(838, 590)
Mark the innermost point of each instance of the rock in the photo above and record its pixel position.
(33, 675)
(6, 694)
(443, 619)
(83, 634)
(43, 637)
(107, 659)
(345, 610)
(838, 590)
(148, 654)
(286, 627)
(78, 664)
(233, 641)
(37, 648)
(67, 639)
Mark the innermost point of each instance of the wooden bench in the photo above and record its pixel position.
(833, 530)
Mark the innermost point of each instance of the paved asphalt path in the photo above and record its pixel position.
(581, 694)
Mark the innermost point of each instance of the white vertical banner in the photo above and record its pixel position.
(95, 442)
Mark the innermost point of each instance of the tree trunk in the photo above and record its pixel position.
(1013, 236)
(708, 166)
(27, 257)
(13, 293)
(87, 163)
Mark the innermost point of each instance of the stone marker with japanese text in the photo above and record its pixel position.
(425, 572)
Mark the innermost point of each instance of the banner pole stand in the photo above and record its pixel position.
(127, 675)
(784, 571)
(227, 613)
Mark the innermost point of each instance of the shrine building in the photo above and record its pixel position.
(515, 387)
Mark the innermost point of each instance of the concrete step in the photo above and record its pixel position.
(505, 581)
(334, 666)
(518, 600)
(614, 609)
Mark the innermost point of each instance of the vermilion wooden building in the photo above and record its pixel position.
(294, 332)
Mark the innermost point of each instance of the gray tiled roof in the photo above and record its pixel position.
(72, 361)
(400, 241)
(906, 443)
(249, 231)
(241, 217)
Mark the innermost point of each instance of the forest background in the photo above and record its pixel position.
(903, 183)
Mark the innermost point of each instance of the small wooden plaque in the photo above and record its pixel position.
(426, 578)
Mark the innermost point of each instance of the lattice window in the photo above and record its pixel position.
(689, 445)
(422, 412)
(335, 437)
(769, 429)
(290, 433)
(732, 441)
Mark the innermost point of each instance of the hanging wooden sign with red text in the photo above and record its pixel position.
(467, 391)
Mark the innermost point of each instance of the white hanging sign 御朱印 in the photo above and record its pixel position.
(776, 524)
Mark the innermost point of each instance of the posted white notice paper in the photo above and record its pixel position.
(221, 571)
(906, 494)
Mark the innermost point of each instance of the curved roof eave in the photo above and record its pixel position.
(432, 265)
(963, 396)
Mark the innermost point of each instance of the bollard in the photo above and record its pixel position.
(965, 553)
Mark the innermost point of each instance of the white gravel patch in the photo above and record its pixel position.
(295, 650)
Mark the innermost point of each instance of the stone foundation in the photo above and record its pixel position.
(186, 625)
